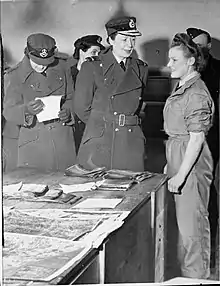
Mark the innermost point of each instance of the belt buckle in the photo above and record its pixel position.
(121, 120)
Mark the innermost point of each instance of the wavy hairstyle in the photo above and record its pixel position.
(190, 49)
(85, 43)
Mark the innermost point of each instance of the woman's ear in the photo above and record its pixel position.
(209, 45)
(191, 61)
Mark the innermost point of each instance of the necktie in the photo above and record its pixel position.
(123, 66)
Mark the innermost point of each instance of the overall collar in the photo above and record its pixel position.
(187, 78)
(189, 81)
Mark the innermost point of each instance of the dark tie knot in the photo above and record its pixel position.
(123, 66)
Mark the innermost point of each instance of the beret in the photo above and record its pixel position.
(92, 40)
(195, 32)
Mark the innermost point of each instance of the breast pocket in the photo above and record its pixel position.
(28, 136)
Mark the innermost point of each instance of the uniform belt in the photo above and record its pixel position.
(51, 121)
(123, 120)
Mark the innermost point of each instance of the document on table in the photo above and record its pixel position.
(80, 187)
(98, 203)
(12, 189)
(51, 107)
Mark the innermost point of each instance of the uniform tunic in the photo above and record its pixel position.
(106, 94)
(190, 109)
(49, 145)
(79, 126)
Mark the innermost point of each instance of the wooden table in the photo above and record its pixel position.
(134, 253)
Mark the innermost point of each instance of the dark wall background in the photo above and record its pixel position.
(66, 20)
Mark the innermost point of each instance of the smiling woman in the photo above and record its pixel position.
(108, 98)
(188, 115)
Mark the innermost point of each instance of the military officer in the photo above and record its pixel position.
(109, 96)
(47, 145)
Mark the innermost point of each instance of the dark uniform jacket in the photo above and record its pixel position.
(109, 100)
(79, 126)
(211, 77)
(49, 145)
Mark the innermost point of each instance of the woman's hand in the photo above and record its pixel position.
(175, 183)
(35, 106)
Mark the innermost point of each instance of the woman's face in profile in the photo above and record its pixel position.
(179, 65)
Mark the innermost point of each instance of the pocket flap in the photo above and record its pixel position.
(27, 136)
(95, 132)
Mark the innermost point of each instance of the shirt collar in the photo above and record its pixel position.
(117, 59)
(188, 77)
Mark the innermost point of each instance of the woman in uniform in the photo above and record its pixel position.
(108, 98)
(84, 48)
(188, 115)
(47, 145)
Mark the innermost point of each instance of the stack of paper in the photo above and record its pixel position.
(79, 187)
(24, 190)
(98, 203)
(12, 190)
(128, 175)
(78, 171)
(116, 185)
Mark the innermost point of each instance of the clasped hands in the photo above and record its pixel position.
(34, 107)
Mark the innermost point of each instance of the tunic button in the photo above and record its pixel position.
(129, 130)
(139, 98)
(105, 78)
(115, 113)
(116, 129)
(112, 96)
(61, 78)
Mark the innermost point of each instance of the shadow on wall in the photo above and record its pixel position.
(215, 51)
(8, 59)
(155, 52)
(120, 12)
(37, 13)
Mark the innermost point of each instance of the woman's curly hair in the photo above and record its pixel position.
(85, 43)
(190, 49)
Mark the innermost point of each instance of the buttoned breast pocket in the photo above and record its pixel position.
(56, 81)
